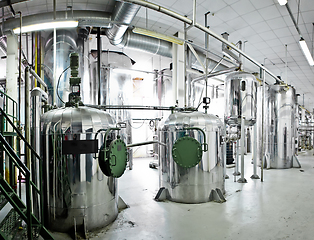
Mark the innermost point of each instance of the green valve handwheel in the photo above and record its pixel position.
(187, 152)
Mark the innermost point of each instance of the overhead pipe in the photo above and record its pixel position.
(123, 13)
(201, 27)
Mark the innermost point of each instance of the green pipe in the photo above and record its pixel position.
(201, 130)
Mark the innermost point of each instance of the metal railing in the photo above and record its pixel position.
(30, 186)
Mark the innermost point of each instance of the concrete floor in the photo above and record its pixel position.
(281, 207)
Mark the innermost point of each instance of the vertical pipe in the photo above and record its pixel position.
(263, 125)
(20, 71)
(54, 66)
(98, 65)
(194, 12)
(255, 176)
(242, 179)
(286, 64)
(27, 118)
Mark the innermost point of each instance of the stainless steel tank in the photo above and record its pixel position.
(191, 184)
(77, 193)
(279, 128)
(280, 143)
(240, 97)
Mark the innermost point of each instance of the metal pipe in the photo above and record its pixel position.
(199, 26)
(242, 179)
(27, 117)
(20, 69)
(263, 123)
(293, 20)
(38, 78)
(138, 107)
(255, 176)
(98, 65)
(145, 143)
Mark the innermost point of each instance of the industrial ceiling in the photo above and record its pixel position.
(266, 29)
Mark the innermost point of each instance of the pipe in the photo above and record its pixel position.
(38, 78)
(215, 74)
(27, 117)
(145, 43)
(242, 179)
(138, 107)
(201, 27)
(123, 12)
(99, 64)
(20, 72)
(145, 143)
(85, 18)
(263, 123)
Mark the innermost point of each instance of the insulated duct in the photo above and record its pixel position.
(3, 44)
(123, 13)
(147, 44)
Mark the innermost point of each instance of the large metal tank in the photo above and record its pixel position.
(77, 193)
(240, 97)
(279, 128)
(191, 182)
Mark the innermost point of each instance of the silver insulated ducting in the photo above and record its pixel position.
(123, 15)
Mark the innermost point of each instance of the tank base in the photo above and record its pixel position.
(242, 180)
(216, 196)
(236, 174)
(226, 177)
(255, 176)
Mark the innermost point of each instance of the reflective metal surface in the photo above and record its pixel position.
(115, 87)
(280, 105)
(191, 185)
(76, 191)
(240, 96)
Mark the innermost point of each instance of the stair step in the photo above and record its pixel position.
(9, 223)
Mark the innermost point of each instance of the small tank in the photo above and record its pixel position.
(77, 193)
(240, 97)
(189, 167)
(279, 129)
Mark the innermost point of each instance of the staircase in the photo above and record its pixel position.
(20, 222)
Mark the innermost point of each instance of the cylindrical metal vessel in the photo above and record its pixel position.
(76, 191)
(191, 185)
(240, 97)
(279, 128)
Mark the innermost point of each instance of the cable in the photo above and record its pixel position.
(59, 82)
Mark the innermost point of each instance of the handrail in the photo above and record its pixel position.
(19, 164)
(19, 133)
(27, 174)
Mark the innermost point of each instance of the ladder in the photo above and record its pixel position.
(21, 211)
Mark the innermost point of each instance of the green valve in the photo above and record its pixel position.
(187, 152)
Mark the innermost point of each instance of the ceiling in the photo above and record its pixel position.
(265, 28)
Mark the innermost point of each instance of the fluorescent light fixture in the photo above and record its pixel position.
(161, 36)
(306, 52)
(47, 25)
(282, 2)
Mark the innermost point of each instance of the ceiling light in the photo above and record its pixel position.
(282, 2)
(47, 25)
(306, 52)
(161, 36)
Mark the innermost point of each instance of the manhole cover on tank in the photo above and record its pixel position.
(113, 161)
(187, 152)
